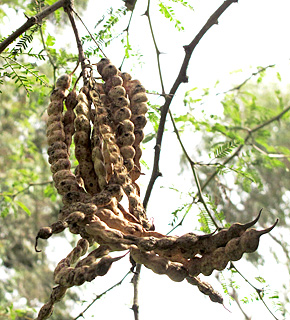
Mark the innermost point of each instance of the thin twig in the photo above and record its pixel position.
(195, 175)
(48, 54)
(82, 57)
(238, 87)
(32, 21)
(250, 132)
(135, 281)
(92, 37)
(181, 78)
(13, 195)
(259, 291)
(100, 296)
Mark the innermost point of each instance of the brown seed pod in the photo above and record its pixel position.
(101, 64)
(55, 107)
(138, 98)
(59, 154)
(60, 164)
(126, 139)
(58, 117)
(63, 82)
(108, 71)
(250, 239)
(139, 121)
(139, 108)
(55, 126)
(116, 92)
(124, 127)
(56, 136)
(233, 250)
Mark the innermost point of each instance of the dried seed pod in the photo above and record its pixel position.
(233, 249)
(116, 92)
(60, 164)
(176, 272)
(139, 121)
(59, 154)
(121, 102)
(55, 126)
(138, 98)
(124, 127)
(122, 114)
(139, 108)
(134, 88)
(206, 289)
(63, 82)
(126, 139)
(108, 71)
(102, 63)
(127, 152)
(56, 136)
(250, 239)
(55, 107)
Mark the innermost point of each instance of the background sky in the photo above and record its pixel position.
(249, 34)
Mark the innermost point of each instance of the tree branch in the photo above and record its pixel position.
(181, 78)
(135, 281)
(99, 296)
(32, 21)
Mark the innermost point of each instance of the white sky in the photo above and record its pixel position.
(250, 33)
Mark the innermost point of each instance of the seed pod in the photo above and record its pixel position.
(63, 82)
(126, 139)
(116, 92)
(56, 136)
(82, 123)
(68, 186)
(108, 71)
(63, 175)
(219, 259)
(139, 121)
(59, 154)
(58, 117)
(250, 239)
(45, 312)
(134, 88)
(205, 288)
(233, 250)
(124, 127)
(55, 107)
(139, 108)
(101, 64)
(176, 272)
(238, 229)
(139, 97)
(122, 114)
(61, 164)
(55, 126)
(56, 146)
(121, 102)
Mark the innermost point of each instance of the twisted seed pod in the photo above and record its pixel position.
(69, 117)
(233, 251)
(46, 232)
(82, 144)
(206, 289)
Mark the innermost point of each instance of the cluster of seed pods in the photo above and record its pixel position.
(106, 121)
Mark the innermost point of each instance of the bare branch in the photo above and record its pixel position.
(135, 281)
(181, 78)
(32, 21)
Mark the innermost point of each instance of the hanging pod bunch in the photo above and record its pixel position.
(106, 121)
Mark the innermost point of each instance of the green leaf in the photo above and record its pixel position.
(23, 207)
